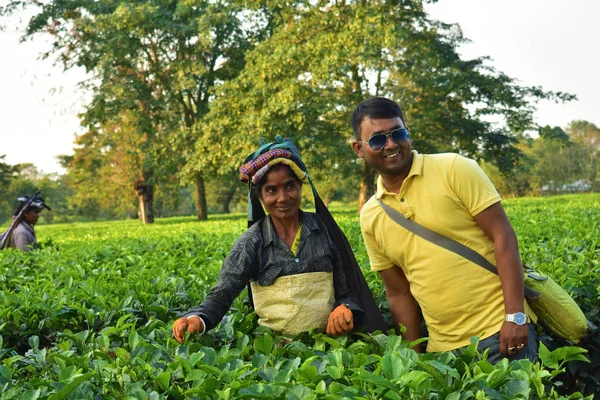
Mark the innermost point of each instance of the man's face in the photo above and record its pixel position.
(32, 216)
(281, 193)
(394, 158)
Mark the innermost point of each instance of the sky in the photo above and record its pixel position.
(548, 43)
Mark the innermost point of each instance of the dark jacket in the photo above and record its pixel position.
(260, 255)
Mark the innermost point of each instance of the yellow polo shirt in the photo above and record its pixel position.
(458, 298)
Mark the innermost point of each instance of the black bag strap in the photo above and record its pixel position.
(447, 243)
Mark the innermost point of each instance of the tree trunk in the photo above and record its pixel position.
(201, 208)
(367, 185)
(230, 193)
(145, 194)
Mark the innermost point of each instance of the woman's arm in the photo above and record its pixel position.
(233, 278)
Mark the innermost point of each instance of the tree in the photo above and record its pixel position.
(557, 165)
(6, 172)
(305, 80)
(584, 132)
(153, 64)
(516, 183)
(172, 199)
(110, 160)
(554, 133)
(587, 162)
(6, 176)
(25, 180)
(562, 162)
(588, 135)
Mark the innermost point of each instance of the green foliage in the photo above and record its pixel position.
(555, 162)
(556, 133)
(559, 235)
(6, 172)
(152, 66)
(584, 132)
(25, 180)
(307, 77)
(89, 315)
(70, 202)
(180, 90)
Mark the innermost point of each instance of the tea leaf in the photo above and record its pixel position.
(163, 380)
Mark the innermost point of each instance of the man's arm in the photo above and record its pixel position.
(402, 303)
(494, 223)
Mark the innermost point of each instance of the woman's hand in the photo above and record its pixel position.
(191, 324)
(340, 321)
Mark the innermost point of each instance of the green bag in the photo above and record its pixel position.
(554, 307)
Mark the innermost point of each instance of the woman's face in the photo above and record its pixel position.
(281, 193)
(31, 216)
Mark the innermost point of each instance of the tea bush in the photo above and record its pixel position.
(89, 316)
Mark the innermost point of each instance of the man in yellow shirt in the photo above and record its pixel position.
(451, 195)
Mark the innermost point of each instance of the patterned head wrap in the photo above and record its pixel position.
(257, 164)
(256, 169)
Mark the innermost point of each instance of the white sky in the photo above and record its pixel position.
(551, 43)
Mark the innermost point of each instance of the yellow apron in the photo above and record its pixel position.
(295, 303)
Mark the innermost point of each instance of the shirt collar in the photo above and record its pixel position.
(415, 169)
(309, 224)
(29, 227)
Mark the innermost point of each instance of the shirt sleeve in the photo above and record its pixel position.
(472, 186)
(235, 274)
(22, 240)
(377, 258)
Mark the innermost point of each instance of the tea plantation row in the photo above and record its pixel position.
(89, 317)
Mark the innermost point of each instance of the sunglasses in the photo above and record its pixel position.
(378, 141)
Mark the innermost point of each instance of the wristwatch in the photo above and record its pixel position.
(518, 318)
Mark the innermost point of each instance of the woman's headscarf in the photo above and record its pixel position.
(26, 203)
(257, 164)
(284, 151)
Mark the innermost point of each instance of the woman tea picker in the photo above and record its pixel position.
(299, 266)
(21, 233)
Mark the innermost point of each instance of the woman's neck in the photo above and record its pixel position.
(287, 228)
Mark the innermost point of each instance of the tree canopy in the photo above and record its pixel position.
(152, 65)
(305, 80)
(181, 90)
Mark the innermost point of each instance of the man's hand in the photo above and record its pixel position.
(513, 338)
(340, 321)
(191, 324)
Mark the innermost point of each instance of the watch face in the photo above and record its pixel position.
(520, 318)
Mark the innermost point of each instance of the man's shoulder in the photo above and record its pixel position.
(448, 163)
(370, 210)
(372, 202)
(441, 158)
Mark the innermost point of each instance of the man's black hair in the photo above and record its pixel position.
(374, 108)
